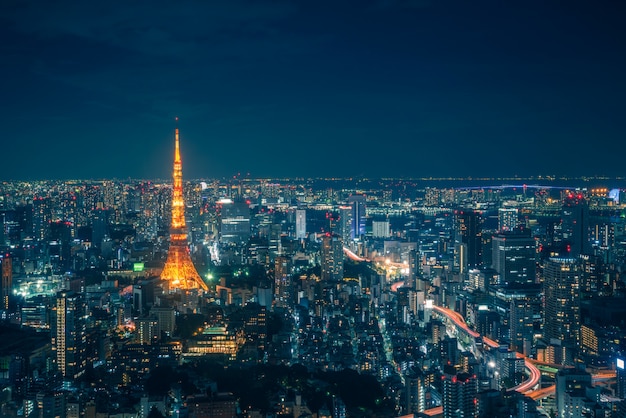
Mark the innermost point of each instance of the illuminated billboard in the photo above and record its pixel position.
(620, 363)
(138, 267)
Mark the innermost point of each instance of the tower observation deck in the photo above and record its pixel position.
(179, 271)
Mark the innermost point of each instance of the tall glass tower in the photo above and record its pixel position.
(561, 284)
(69, 334)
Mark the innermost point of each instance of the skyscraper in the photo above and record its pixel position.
(561, 284)
(620, 369)
(468, 231)
(6, 269)
(415, 391)
(281, 280)
(357, 202)
(42, 215)
(59, 245)
(300, 223)
(234, 221)
(523, 309)
(345, 223)
(460, 395)
(179, 271)
(507, 219)
(332, 257)
(575, 224)
(100, 226)
(513, 257)
(69, 334)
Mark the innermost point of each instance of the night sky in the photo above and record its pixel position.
(273, 88)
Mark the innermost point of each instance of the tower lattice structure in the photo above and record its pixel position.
(179, 271)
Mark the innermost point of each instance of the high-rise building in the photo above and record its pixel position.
(179, 271)
(359, 215)
(10, 227)
(148, 331)
(333, 222)
(415, 391)
(620, 369)
(468, 231)
(166, 315)
(448, 349)
(69, 334)
(332, 257)
(59, 245)
(575, 225)
(593, 274)
(524, 309)
(507, 219)
(53, 404)
(514, 257)
(42, 216)
(380, 229)
(571, 397)
(300, 223)
(603, 235)
(561, 282)
(100, 226)
(234, 221)
(6, 270)
(282, 280)
(345, 223)
(460, 393)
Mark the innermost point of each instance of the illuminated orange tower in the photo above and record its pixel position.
(179, 270)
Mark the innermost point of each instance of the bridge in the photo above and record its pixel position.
(516, 186)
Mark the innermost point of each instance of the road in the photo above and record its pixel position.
(534, 374)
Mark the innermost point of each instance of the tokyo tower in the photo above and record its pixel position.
(179, 271)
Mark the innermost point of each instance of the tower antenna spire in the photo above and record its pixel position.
(179, 271)
(177, 150)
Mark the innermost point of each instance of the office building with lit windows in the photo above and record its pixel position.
(6, 270)
(460, 395)
(300, 223)
(508, 219)
(514, 257)
(69, 334)
(332, 257)
(358, 215)
(561, 285)
(575, 224)
(572, 398)
(234, 221)
(468, 235)
(415, 391)
(620, 369)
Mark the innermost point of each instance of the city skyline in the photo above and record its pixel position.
(394, 89)
(382, 298)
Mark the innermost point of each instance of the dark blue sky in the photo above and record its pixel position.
(312, 88)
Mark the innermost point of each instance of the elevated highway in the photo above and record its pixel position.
(531, 386)
(534, 375)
